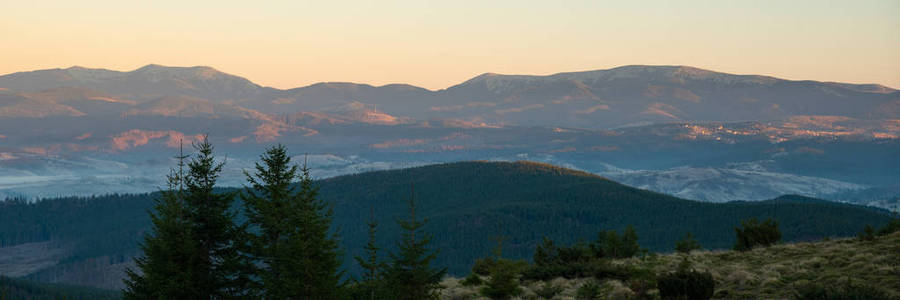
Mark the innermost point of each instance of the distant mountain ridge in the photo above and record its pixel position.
(590, 99)
(673, 124)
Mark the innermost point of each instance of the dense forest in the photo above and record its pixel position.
(13, 288)
(467, 205)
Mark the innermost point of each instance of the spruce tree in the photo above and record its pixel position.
(218, 267)
(267, 205)
(630, 246)
(687, 244)
(298, 255)
(610, 243)
(168, 247)
(371, 283)
(409, 275)
(503, 281)
(317, 255)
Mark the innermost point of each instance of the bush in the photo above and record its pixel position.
(589, 291)
(687, 244)
(548, 290)
(472, 280)
(868, 234)
(684, 284)
(889, 228)
(503, 282)
(583, 259)
(756, 234)
(641, 283)
(849, 291)
(600, 268)
(483, 266)
(610, 244)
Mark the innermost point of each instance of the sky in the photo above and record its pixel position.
(436, 44)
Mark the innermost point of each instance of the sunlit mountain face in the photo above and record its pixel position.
(685, 131)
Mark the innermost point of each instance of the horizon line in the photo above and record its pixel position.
(452, 85)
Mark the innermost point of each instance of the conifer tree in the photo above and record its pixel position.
(267, 204)
(503, 282)
(630, 246)
(218, 267)
(687, 244)
(166, 249)
(316, 250)
(409, 275)
(610, 243)
(298, 255)
(371, 277)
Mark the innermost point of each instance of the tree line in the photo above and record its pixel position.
(535, 200)
(285, 249)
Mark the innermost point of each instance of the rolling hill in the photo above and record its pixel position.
(466, 203)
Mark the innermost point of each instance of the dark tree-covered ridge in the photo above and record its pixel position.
(464, 202)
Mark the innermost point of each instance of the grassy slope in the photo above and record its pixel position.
(763, 273)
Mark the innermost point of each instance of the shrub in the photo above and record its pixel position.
(868, 234)
(756, 234)
(687, 244)
(684, 284)
(583, 259)
(503, 282)
(849, 291)
(610, 244)
(600, 268)
(641, 282)
(483, 266)
(889, 228)
(589, 291)
(472, 280)
(548, 290)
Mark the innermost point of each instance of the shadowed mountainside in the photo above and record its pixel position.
(466, 203)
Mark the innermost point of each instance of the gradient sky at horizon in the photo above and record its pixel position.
(436, 44)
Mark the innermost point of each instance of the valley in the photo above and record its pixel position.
(679, 130)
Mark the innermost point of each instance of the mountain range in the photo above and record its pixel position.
(629, 95)
(695, 133)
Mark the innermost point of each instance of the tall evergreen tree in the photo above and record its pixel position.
(371, 277)
(218, 268)
(409, 275)
(267, 204)
(298, 255)
(168, 247)
(316, 261)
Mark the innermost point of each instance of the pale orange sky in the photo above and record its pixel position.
(436, 44)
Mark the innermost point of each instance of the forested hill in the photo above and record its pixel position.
(11, 288)
(467, 204)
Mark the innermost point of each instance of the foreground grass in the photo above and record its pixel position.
(763, 273)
